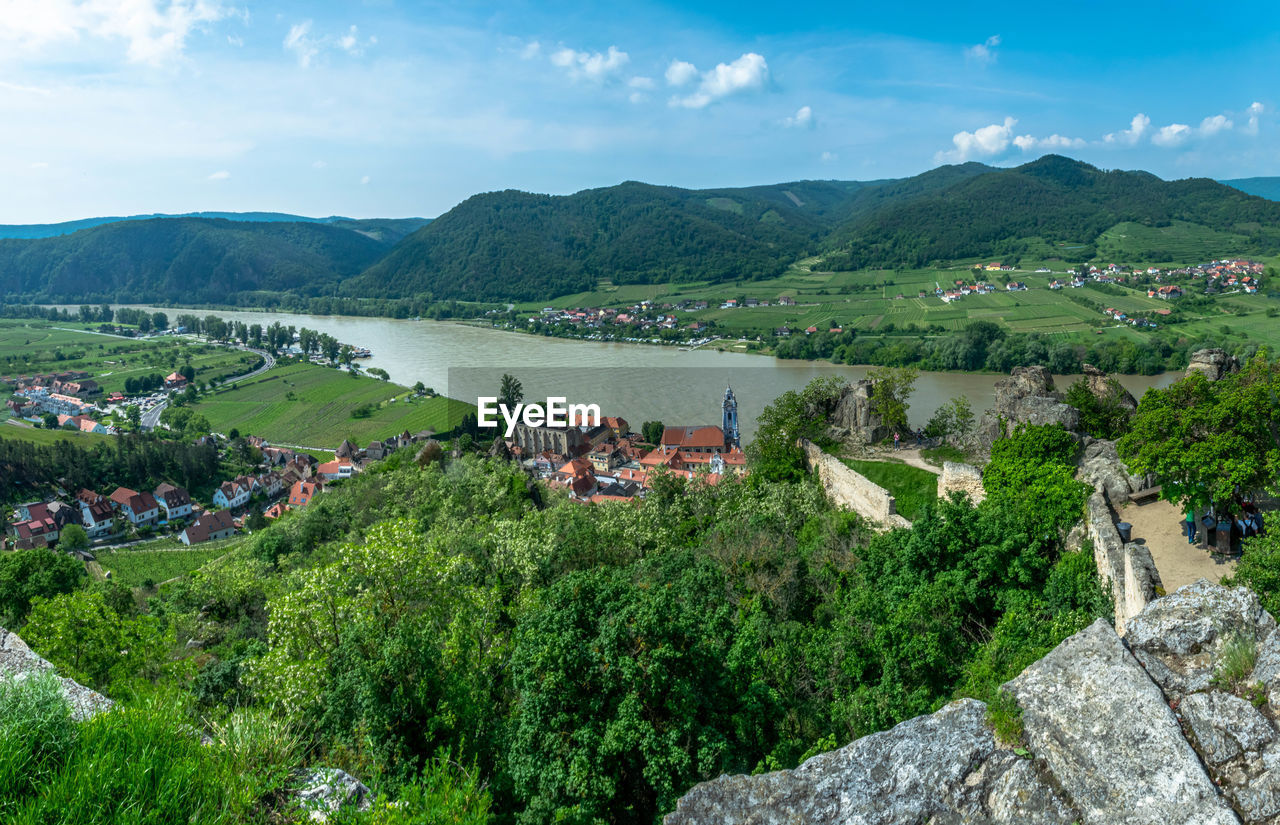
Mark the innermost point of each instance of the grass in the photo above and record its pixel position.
(912, 487)
(1004, 715)
(24, 432)
(940, 455)
(312, 406)
(134, 568)
(1235, 661)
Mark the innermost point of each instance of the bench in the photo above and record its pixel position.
(1142, 495)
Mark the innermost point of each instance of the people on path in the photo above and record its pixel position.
(896, 438)
(1189, 525)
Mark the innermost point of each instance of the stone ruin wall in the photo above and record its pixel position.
(851, 489)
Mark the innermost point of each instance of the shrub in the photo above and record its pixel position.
(1004, 714)
(1235, 661)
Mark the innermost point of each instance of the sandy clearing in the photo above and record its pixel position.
(1159, 526)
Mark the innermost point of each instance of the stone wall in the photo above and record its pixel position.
(851, 489)
(961, 478)
(17, 661)
(1127, 569)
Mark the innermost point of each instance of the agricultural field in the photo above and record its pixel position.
(160, 560)
(25, 432)
(28, 347)
(318, 407)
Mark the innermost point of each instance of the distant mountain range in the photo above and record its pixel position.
(1268, 188)
(518, 246)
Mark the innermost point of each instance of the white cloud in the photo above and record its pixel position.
(222, 174)
(748, 72)
(319, 164)
(1210, 126)
(591, 65)
(1137, 128)
(307, 47)
(641, 83)
(679, 73)
(1171, 135)
(235, 40)
(984, 142)
(156, 30)
(40, 164)
(1029, 143)
(984, 52)
(827, 157)
(1255, 109)
(531, 50)
(802, 119)
(364, 181)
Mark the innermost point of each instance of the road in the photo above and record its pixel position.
(151, 418)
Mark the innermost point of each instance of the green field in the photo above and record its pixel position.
(312, 406)
(21, 432)
(912, 487)
(161, 560)
(28, 347)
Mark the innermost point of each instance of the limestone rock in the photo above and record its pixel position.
(18, 662)
(1027, 396)
(1177, 638)
(1236, 742)
(1212, 363)
(326, 790)
(500, 449)
(961, 478)
(1103, 731)
(1105, 388)
(852, 416)
(1101, 468)
(946, 767)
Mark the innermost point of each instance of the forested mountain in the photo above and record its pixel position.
(184, 260)
(513, 245)
(1054, 198)
(389, 230)
(1268, 188)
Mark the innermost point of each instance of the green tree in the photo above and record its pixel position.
(419, 388)
(91, 643)
(891, 389)
(1101, 417)
(1032, 472)
(49, 420)
(73, 537)
(1207, 441)
(651, 431)
(774, 453)
(31, 574)
(510, 391)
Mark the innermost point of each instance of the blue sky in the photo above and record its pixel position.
(383, 108)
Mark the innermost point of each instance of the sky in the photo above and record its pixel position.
(386, 108)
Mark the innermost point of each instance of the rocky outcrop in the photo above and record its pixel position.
(852, 418)
(1106, 388)
(18, 662)
(946, 767)
(1101, 468)
(1027, 396)
(1144, 730)
(324, 791)
(1212, 363)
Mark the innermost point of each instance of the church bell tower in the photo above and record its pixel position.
(730, 419)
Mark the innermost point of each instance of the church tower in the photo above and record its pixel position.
(730, 419)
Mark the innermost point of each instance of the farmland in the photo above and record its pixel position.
(315, 406)
(30, 347)
(23, 432)
(160, 560)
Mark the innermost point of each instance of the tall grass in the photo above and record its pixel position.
(36, 736)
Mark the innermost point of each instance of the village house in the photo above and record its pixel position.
(139, 508)
(31, 533)
(336, 469)
(96, 514)
(302, 492)
(275, 511)
(230, 495)
(175, 501)
(209, 527)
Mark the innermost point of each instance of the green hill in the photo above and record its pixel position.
(389, 230)
(183, 260)
(1059, 200)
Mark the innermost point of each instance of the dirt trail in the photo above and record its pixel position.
(1159, 526)
(910, 456)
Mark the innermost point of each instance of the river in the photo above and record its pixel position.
(636, 381)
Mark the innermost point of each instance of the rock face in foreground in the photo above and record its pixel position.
(1213, 363)
(1145, 730)
(18, 662)
(852, 417)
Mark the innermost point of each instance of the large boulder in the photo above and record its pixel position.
(325, 791)
(1178, 638)
(1101, 468)
(1212, 363)
(18, 662)
(946, 767)
(1106, 388)
(1105, 733)
(1027, 396)
(852, 417)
